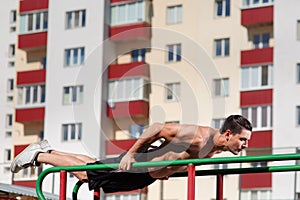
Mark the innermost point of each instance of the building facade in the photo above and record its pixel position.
(91, 76)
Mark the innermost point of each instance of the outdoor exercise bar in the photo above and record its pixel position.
(191, 169)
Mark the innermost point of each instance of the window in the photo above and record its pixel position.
(72, 132)
(13, 16)
(128, 89)
(11, 64)
(136, 130)
(221, 166)
(29, 95)
(172, 91)
(174, 52)
(8, 134)
(298, 73)
(75, 19)
(174, 14)
(217, 123)
(256, 77)
(73, 95)
(298, 115)
(261, 40)
(222, 8)
(222, 47)
(260, 116)
(122, 197)
(255, 3)
(125, 13)
(7, 155)
(11, 50)
(33, 22)
(138, 55)
(256, 194)
(221, 87)
(10, 85)
(74, 57)
(9, 120)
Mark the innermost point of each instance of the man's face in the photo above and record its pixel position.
(239, 141)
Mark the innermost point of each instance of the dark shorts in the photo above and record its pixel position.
(111, 180)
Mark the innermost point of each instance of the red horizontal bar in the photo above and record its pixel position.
(128, 70)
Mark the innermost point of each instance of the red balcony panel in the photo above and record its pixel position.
(19, 148)
(31, 77)
(257, 56)
(33, 40)
(31, 183)
(31, 5)
(261, 139)
(128, 70)
(116, 147)
(129, 108)
(256, 97)
(30, 114)
(257, 16)
(132, 31)
(260, 180)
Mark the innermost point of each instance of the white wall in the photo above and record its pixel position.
(89, 113)
(286, 91)
(6, 73)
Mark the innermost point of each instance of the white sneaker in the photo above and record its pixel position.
(26, 158)
(45, 146)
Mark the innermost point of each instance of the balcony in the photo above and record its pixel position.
(32, 40)
(30, 114)
(137, 108)
(133, 69)
(257, 16)
(31, 77)
(31, 5)
(256, 97)
(261, 139)
(135, 31)
(257, 56)
(116, 147)
(261, 180)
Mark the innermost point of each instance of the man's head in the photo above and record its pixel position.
(236, 130)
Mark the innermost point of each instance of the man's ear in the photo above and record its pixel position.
(228, 134)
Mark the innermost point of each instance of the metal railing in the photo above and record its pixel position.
(191, 172)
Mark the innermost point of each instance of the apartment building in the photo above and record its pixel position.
(91, 76)
(8, 32)
(195, 75)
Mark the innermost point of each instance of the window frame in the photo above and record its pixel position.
(225, 8)
(75, 19)
(172, 90)
(171, 56)
(74, 95)
(257, 119)
(74, 57)
(174, 14)
(68, 134)
(223, 87)
(222, 47)
(252, 77)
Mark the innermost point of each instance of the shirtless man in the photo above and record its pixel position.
(178, 142)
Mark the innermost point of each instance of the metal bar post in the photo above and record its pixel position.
(191, 181)
(97, 194)
(63, 185)
(219, 187)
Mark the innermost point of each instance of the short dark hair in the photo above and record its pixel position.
(236, 123)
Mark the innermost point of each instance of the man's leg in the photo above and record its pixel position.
(56, 158)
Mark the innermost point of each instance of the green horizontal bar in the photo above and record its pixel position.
(199, 161)
(251, 170)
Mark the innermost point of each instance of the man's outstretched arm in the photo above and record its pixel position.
(149, 136)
